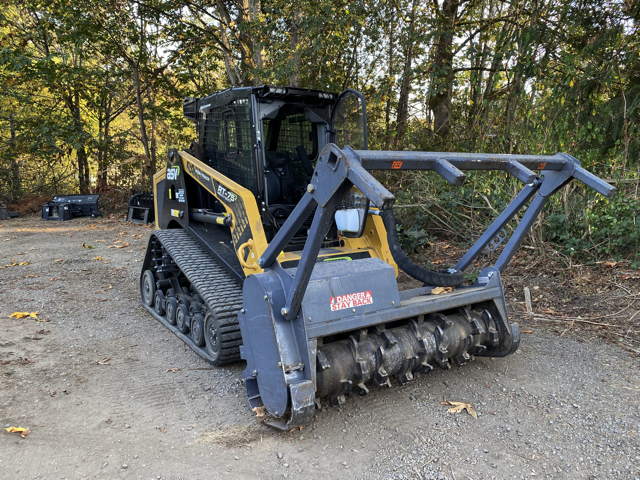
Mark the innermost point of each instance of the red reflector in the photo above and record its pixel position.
(396, 164)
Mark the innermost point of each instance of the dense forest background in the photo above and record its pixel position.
(91, 93)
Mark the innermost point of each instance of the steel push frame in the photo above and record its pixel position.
(337, 169)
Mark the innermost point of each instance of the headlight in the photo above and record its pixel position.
(352, 214)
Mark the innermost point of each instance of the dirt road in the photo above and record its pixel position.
(108, 393)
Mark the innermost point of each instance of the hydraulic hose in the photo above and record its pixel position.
(429, 277)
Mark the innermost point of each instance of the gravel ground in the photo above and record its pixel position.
(108, 393)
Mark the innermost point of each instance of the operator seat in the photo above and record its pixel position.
(280, 179)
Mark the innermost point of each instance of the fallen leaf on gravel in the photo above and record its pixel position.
(31, 276)
(24, 315)
(526, 331)
(173, 370)
(118, 244)
(98, 258)
(259, 411)
(86, 245)
(21, 430)
(457, 407)
(15, 264)
(44, 331)
(440, 290)
(59, 260)
(104, 361)
(610, 264)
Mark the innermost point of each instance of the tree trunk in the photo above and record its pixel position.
(16, 184)
(104, 138)
(442, 68)
(296, 51)
(391, 71)
(407, 75)
(82, 160)
(513, 100)
(148, 168)
(83, 169)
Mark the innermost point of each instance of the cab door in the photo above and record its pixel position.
(349, 121)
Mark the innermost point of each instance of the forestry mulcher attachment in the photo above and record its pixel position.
(275, 244)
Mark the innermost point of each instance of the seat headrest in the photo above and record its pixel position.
(277, 159)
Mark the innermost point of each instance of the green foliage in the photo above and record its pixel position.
(603, 229)
(91, 91)
(412, 237)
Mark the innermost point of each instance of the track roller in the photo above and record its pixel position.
(171, 308)
(159, 302)
(183, 317)
(197, 328)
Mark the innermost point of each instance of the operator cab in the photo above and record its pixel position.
(267, 139)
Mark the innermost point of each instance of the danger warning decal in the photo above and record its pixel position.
(351, 300)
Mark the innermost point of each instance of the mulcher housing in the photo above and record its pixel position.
(66, 207)
(280, 246)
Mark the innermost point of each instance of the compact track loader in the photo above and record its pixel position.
(275, 244)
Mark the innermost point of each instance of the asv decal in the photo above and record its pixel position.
(173, 173)
(226, 194)
(351, 300)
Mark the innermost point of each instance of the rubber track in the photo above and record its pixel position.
(217, 287)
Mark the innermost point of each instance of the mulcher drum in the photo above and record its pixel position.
(217, 287)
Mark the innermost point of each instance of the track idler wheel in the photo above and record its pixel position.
(183, 319)
(222, 338)
(171, 309)
(148, 288)
(197, 329)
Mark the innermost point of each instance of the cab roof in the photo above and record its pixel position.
(308, 96)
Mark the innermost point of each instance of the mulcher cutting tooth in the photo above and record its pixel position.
(362, 389)
(381, 377)
(426, 367)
